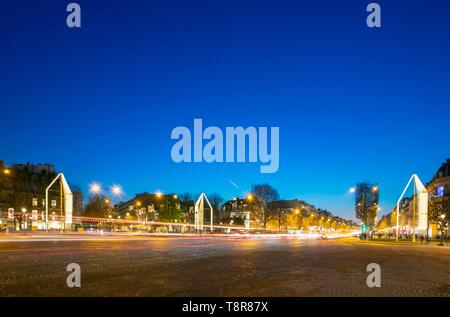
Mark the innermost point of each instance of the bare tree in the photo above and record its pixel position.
(187, 204)
(265, 194)
(216, 201)
(98, 206)
(77, 194)
(186, 200)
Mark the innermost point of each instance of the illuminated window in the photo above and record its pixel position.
(53, 203)
(440, 191)
(35, 202)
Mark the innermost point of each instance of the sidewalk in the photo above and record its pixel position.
(405, 242)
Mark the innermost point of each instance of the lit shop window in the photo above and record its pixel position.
(34, 202)
(440, 191)
(53, 203)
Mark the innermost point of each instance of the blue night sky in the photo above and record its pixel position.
(352, 103)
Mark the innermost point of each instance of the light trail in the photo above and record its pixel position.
(86, 236)
(233, 231)
(81, 220)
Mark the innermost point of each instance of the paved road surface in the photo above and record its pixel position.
(180, 266)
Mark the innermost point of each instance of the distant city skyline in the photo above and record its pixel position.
(353, 104)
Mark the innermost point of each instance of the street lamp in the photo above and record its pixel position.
(95, 188)
(6, 171)
(116, 190)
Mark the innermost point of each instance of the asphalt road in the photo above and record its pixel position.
(180, 266)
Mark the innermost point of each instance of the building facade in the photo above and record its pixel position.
(437, 188)
(22, 196)
(238, 212)
(147, 207)
(439, 193)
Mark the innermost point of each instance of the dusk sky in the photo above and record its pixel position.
(352, 103)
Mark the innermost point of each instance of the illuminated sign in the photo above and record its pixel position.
(440, 191)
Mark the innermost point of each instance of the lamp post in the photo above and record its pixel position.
(61, 206)
(414, 215)
(162, 199)
(139, 212)
(297, 213)
(442, 224)
(7, 172)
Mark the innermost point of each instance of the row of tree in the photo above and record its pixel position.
(260, 203)
(100, 205)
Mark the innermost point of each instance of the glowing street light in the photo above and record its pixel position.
(138, 203)
(95, 188)
(297, 211)
(6, 171)
(352, 190)
(249, 197)
(159, 194)
(116, 190)
(175, 197)
(375, 188)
